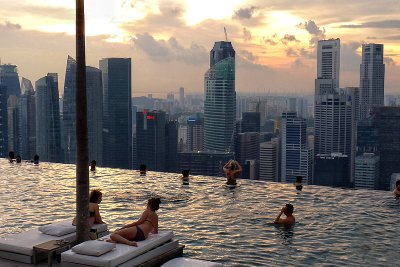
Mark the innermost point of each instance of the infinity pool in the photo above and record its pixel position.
(335, 227)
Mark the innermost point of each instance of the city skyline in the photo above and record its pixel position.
(273, 40)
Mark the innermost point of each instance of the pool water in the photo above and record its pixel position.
(335, 227)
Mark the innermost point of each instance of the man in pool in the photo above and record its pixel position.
(185, 176)
(396, 191)
(288, 211)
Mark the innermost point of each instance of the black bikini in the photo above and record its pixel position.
(139, 234)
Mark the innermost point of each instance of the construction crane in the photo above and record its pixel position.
(226, 35)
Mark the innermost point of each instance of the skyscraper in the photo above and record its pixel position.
(250, 122)
(9, 78)
(269, 160)
(247, 147)
(13, 123)
(27, 120)
(182, 95)
(366, 171)
(328, 65)
(297, 159)
(220, 98)
(195, 133)
(3, 122)
(48, 135)
(117, 121)
(171, 146)
(372, 78)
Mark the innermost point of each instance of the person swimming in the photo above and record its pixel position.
(288, 211)
(139, 230)
(396, 191)
(185, 177)
(93, 166)
(11, 156)
(299, 183)
(18, 159)
(142, 169)
(232, 169)
(35, 160)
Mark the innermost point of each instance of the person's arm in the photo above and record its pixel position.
(97, 215)
(155, 229)
(278, 219)
(138, 222)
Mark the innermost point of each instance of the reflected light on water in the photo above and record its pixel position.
(334, 226)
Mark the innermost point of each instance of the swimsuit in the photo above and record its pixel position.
(139, 234)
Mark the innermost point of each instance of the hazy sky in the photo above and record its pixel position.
(169, 41)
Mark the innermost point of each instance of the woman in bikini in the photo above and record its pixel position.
(139, 230)
(95, 199)
(232, 169)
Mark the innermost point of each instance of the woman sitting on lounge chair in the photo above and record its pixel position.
(95, 199)
(139, 230)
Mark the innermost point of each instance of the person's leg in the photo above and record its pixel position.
(123, 236)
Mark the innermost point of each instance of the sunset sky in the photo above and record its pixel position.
(169, 41)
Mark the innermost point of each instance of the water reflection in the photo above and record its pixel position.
(285, 233)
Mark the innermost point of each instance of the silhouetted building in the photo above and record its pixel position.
(117, 121)
(247, 147)
(3, 122)
(366, 171)
(195, 133)
(250, 122)
(269, 160)
(204, 163)
(13, 123)
(27, 120)
(220, 99)
(48, 135)
(9, 78)
(332, 170)
(171, 149)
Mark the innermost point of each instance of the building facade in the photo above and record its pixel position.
(27, 120)
(250, 122)
(195, 133)
(332, 170)
(366, 171)
(269, 160)
(204, 162)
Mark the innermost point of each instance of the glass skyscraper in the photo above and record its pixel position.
(117, 115)
(220, 99)
(27, 120)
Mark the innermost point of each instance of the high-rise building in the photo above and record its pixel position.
(220, 99)
(171, 146)
(13, 123)
(94, 93)
(182, 95)
(208, 163)
(195, 133)
(151, 141)
(9, 78)
(247, 147)
(117, 121)
(269, 160)
(297, 158)
(250, 122)
(48, 135)
(328, 66)
(3, 122)
(372, 78)
(27, 120)
(332, 170)
(366, 171)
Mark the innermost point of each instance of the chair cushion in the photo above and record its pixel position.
(93, 248)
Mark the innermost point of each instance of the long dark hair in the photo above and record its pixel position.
(94, 196)
(154, 203)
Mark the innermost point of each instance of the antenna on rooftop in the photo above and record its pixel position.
(226, 35)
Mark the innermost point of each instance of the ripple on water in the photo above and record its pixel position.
(233, 226)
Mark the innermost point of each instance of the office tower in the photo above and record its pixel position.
(250, 122)
(27, 120)
(379, 134)
(242, 105)
(182, 95)
(220, 99)
(247, 147)
(332, 170)
(328, 66)
(9, 78)
(195, 133)
(291, 104)
(366, 171)
(171, 146)
(269, 160)
(48, 135)
(208, 163)
(94, 96)
(117, 121)
(151, 141)
(297, 159)
(13, 123)
(3, 122)
(372, 78)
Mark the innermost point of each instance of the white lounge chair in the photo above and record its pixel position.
(187, 262)
(154, 248)
(19, 247)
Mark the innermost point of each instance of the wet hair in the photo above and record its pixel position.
(93, 162)
(232, 168)
(18, 159)
(154, 203)
(94, 195)
(36, 157)
(299, 187)
(289, 208)
(397, 182)
(299, 179)
(142, 167)
(11, 154)
(185, 173)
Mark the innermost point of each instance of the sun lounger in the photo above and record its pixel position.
(123, 255)
(19, 247)
(187, 262)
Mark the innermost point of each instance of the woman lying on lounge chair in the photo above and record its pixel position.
(139, 230)
(95, 199)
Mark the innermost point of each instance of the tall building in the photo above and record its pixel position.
(332, 170)
(250, 122)
(117, 121)
(208, 163)
(220, 99)
(48, 132)
(3, 122)
(366, 171)
(182, 95)
(247, 147)
(151, 141)
(27, 120)
(269, 160)
(328, 66)
(13, 123)
(171, 146)
(9, 78)
(195, 133)
(297, 158)
(372, 78)
(94, 93)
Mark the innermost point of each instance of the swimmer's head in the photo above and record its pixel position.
(289, 209)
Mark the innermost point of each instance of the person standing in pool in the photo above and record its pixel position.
(142, 169)
(185, 176)
(139, 230)
(288, 211)
(396, 191)
(299, 183)
(11, 156)
(232, 169)
(93, 166)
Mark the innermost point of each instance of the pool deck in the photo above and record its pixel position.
(8, 263)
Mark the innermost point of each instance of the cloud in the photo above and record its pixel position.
(170, 50)
(272, 40)
(389, 61)
(291, 52)
(248, 55)
(300, 52)
(316, 32)
(386, 24)
(350, 59)
(298, 63)
(287, 38)
(12, 26)
(246, 34)
(245, 13)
